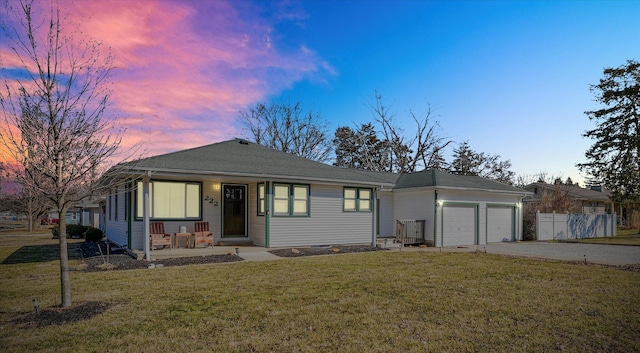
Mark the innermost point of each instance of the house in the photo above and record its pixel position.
(251, 193)
(577, 199)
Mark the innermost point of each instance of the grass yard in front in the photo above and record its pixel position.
(623, 237)
(368, 302)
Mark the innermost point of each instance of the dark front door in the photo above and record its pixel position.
(235, 211)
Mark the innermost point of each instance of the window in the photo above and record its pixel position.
(115, 208)
(300, 200)
(357, 200)
(281, 200)
(110, 205)
(261, 199)
(290, 200)
(170, 200)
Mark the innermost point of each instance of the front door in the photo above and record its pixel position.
(234, 211)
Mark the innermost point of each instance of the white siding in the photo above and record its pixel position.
(417, 205)
(256, 223)
(482, 200)
(387, 223)
(326, 225)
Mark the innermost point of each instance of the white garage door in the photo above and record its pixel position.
(458, 225)
(499, 224)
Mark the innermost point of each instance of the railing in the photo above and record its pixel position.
(410, 231)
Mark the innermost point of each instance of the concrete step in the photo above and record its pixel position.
(388, 243)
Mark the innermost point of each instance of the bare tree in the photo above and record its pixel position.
(288, 128)
(56, 130)
(25, 205)
(395, 150)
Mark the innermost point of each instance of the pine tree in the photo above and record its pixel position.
(613, 158)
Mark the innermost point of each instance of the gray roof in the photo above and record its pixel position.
(440, 179)
(242, 158)
(573, 191)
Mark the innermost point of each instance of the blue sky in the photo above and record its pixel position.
(510, 77)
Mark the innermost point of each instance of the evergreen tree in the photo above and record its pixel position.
(613, 158)
(469, 162)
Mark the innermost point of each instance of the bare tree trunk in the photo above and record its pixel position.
(65, 280)
(30, 213)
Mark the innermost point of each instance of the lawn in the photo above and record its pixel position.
(623, 237)
(368, 302)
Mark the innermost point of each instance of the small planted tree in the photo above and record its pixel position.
(55, 128)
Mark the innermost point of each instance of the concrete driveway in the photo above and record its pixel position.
(593, 253)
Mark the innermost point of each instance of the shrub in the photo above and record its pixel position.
(93, 234)
(76, 230)
(55, 231)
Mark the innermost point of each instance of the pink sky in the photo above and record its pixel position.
(184, 69)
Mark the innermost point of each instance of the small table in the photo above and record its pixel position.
(176, 239)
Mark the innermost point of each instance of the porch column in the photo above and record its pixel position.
(145, 215)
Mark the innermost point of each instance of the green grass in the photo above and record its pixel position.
(371, 302)
(623, 237)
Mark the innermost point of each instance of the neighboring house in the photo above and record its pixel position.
(251, 193)
(593, 200)
(89, 212)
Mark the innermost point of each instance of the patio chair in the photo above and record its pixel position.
(202, 235)
(157, 236)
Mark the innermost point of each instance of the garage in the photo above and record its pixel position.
(459, 225)
(500, 224)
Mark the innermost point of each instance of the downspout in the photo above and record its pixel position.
(146, 213)
(266, 213)
(374, 239)
(435, 219)
(128, 212)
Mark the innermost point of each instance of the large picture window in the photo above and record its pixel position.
(290, 200)
(170, 200)
(357, 200)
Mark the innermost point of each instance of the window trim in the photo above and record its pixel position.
(261, 201)
(291, 200)
(139, 184)
(115, 208)
(357, 199)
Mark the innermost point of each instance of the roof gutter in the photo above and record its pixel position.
(455, 188)
(170, 172)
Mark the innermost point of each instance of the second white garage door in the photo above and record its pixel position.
(458, 225)
(499, 224)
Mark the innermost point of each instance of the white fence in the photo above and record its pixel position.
(557, 226)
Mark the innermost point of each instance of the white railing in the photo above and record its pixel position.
(410, 231)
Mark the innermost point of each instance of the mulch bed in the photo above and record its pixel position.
(312, 251)
(58, 315)
(96, 261)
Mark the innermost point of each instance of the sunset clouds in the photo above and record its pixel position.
(184, 69)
